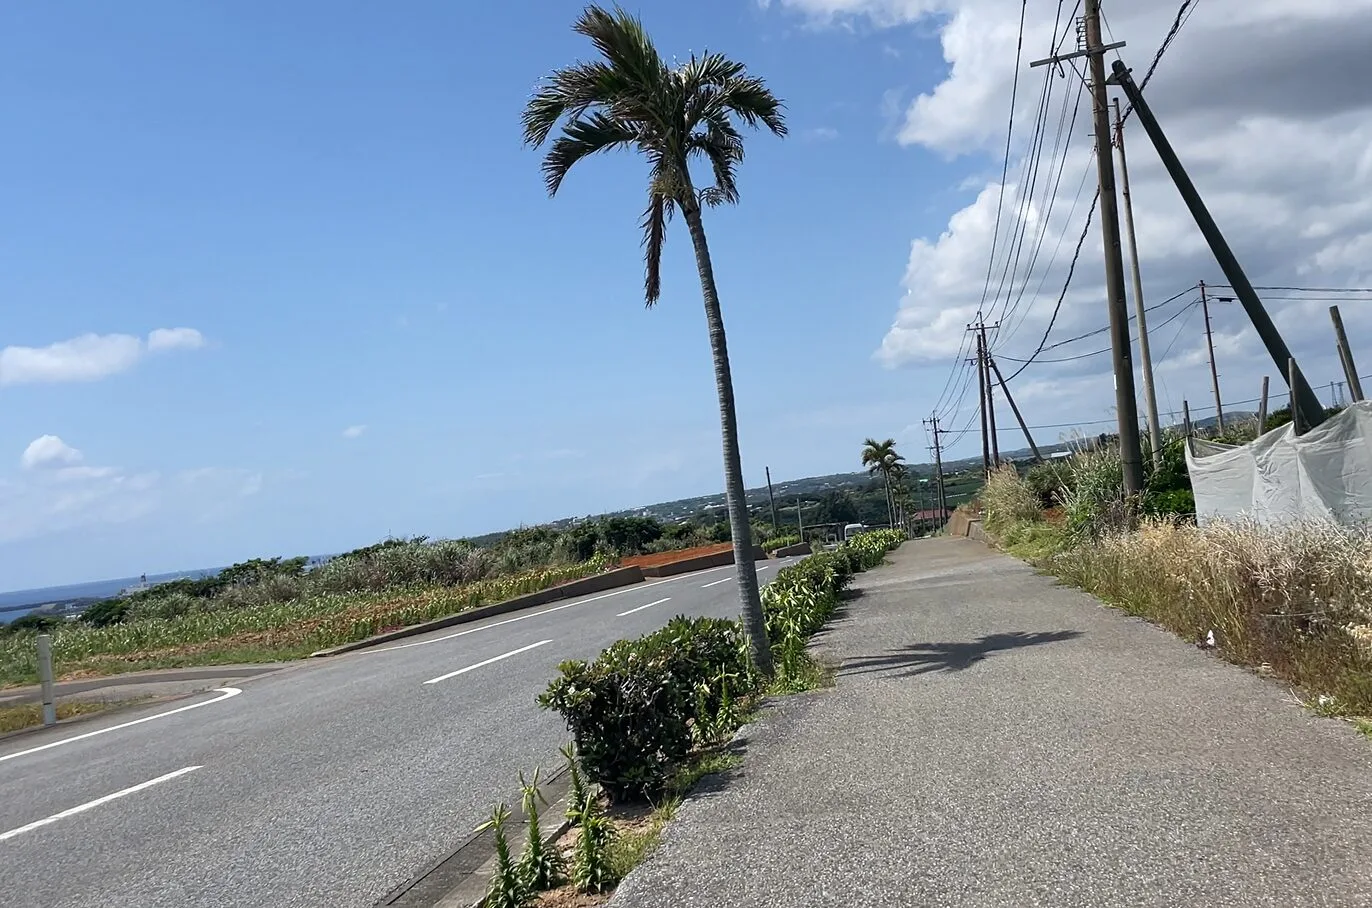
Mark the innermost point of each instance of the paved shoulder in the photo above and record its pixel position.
(996, 739)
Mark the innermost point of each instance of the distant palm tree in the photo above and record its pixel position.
(880, 458)
(631, 99)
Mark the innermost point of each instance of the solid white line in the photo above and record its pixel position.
(96, 803)
(642, 607)
(463, 671)
(226, 693)
(546, 611)
(716, 582)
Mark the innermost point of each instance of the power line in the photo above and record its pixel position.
(1005, 166)
(1068, 359)
(1071, 269)
(1183, 13)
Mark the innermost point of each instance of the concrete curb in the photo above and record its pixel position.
(593, 584)
(460, 878)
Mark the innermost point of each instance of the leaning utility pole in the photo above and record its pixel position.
(1214, 370)
(1350, 368)
(1303, 396)
(1126, 407)
(991, 360)
(1150, 399)
(771, 498)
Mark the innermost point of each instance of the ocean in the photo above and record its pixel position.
(18, 603)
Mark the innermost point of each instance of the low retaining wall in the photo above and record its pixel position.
(800, 548)
(698, 563)
(586, 585)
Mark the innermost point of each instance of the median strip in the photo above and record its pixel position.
(642, 607)
(82, 808)
(482, 664)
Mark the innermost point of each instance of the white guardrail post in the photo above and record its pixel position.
(45, 678)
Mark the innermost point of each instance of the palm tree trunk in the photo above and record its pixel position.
(750, 599)
(890, 501)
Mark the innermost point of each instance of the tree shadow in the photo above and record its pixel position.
(923, 658)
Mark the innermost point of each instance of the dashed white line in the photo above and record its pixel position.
(546, 611)
(82, 808)
(483, 664)
(642, 607)
(715, 583)
(227, 692)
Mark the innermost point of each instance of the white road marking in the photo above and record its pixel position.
(226, 693)
(463, 671)
(546, 611)
(38, 824)
(716, 582)
(642, 607)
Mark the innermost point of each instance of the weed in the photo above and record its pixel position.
(578, 795)
(28, 715)
(541, 867)
(508, 887)
(591, 867)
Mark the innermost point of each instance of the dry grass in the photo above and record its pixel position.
(1006, 500)
(1296, 599)
(27, 715)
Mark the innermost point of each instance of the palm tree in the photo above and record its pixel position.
(630, 98)
(880, 458)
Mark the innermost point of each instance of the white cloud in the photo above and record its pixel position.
(48, 451)
(1279, 144)
(354, 431)
(820, 134)
(89, 357)
(174, 339)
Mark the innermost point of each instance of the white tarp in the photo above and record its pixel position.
(1324, 474)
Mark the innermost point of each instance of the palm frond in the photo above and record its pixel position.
(620, 38)
(654, 237)
(583, 136)
(570, 92)
(721, 143)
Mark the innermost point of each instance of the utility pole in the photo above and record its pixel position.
(1130, 453)
(1150, 399)
(990, 397)
(1350, 369)
(938, 468)
(771, 498)
(1262, 406)
(1014, 409)
(981, 384)
(1293, 376)
(1214, 370)
(800, 522)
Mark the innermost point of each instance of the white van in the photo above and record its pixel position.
(853, 529)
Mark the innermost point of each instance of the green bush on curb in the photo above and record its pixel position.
(636, 712)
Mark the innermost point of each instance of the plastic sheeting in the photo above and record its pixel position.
(1279, 477)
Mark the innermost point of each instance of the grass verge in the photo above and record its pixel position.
(262, 633)
(28, 715)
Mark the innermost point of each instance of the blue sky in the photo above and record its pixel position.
(335, 197)
(280, 278)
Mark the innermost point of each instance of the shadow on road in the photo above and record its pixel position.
(923, 658)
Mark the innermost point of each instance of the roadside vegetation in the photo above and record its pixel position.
(270, 609)
(1292, 601)
(651, 717)
(29, 715)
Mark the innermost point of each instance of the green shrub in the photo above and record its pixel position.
(630, 711)
(780, 542)
(1048, 481)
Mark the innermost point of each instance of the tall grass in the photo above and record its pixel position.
(1297, 599)
(1007, 500)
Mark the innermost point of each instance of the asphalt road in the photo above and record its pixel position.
(327, 783)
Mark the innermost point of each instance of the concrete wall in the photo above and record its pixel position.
(800, 548)
(699, 563)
